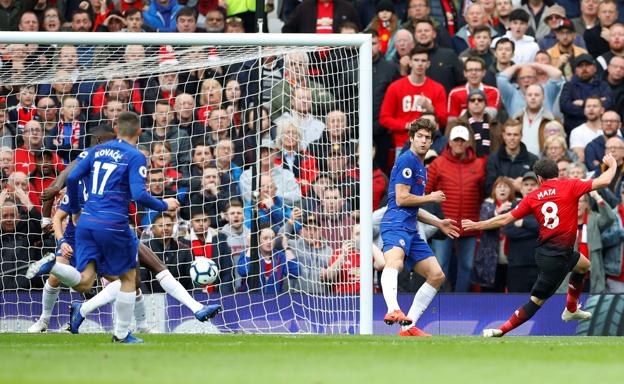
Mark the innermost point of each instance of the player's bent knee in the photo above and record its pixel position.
(53, 281)
(436, 279)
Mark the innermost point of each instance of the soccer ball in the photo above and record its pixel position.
(204, 271)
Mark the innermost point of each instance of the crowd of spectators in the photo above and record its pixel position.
(506, 81)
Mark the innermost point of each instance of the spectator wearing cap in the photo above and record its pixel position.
(521, 241)
(477, 119)
(553, 16)
(596, 37)
(474, 72)
(616, 45)
(537, 11)
(461, 176)
(385, 22)
(161, 15)
(562, 54)
(525, 45)
(512, 159)
(284, 180)
(584, 83)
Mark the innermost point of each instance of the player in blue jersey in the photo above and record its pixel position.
(402, 245)
(105, 243)
(147, 259)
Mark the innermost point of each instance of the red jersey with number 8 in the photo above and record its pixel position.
(555, 206)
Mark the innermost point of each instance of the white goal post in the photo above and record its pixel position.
(361, 42)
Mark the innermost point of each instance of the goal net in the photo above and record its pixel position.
(260, 141)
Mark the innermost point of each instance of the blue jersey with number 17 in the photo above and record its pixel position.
(407, 170)
(116, 172)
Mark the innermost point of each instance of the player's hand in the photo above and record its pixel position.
(469, 225)
(50, 193)
(46, 225)
(437, 197)
(66, 250)
(449, 228)
(609, 160)
(172, 204)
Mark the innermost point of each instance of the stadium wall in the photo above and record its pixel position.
(449, 314)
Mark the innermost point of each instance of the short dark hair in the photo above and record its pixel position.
(186, 11)
(482, 28)
(81, 11)
(128, 124)
(371, 32)
(594, 97)
(505, 40)
(475, 59)
(199, 210)
(234, 203)
(162, 216)
(546, 168)
(519, 14)
(419, 124)
(424, 21)
(349, 25)
(132, 11)
(419, 50)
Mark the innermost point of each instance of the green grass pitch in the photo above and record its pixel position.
(186, 359)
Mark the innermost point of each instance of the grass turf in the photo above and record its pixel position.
(180, 359)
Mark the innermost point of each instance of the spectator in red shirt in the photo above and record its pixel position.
(474, 72)
(33, 141)
(407, 98)
(344, 267)
(25, 110)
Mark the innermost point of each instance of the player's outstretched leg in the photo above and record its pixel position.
(66, 274)
(431, 270)
(519, 317)
(389, 282)
(572, 310)
(51, 291)
(148, 259)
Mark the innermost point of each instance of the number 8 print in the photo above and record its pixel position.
(550, 210)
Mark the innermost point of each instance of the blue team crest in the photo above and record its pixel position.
(402, 242)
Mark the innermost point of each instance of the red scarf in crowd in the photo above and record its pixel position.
(24, 115)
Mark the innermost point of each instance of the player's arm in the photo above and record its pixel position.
(493, 223)
(80, 171)
(137, 171)
(405, 199)
(604, 180)
(447, 226)
(48, 195)
(57, 225)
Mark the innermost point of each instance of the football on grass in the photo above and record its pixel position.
(204, 271)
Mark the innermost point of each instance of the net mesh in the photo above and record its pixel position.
(201, 108)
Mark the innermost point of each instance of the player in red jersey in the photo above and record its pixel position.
(555, 206)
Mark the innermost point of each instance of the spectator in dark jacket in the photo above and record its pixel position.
(384, 73)
(521, 241)
(205, 241)
(10, 12)
(177, 258)
(584, 83)
(304, 18)
(595, 150)
(512, 159)
(20, 244)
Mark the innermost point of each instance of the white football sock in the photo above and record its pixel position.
(67, 274)
(50, 294)
(422, 299)
(124, 307)
(177, 291)
(105, 296)
(389, 282)
(139, 311)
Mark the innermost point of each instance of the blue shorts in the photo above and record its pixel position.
(114, 252)
(415, 248)
(72, 243)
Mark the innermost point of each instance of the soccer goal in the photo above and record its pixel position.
(265, 139)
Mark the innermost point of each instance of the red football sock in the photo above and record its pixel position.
(521, 315)
(575, 287)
